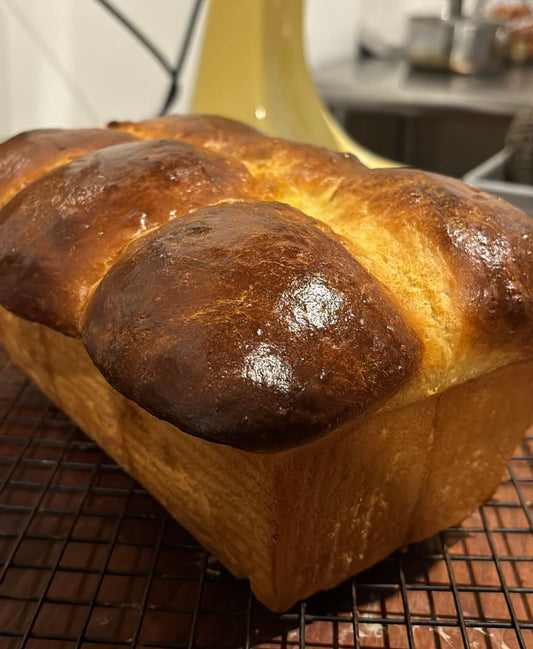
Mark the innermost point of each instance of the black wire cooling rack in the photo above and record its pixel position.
(88, 560)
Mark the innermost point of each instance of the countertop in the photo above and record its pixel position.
(393, 86)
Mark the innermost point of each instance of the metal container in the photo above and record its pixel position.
(490, 177)
(456, 44)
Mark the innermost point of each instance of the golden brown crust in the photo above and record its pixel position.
(208, 131)
(59, 236)
(487, 243)
(279, 164)
(27, 156)
(457, 261)
(246, 324)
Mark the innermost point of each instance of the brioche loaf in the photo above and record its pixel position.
(358, 344)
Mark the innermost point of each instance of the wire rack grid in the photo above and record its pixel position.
(88, 560)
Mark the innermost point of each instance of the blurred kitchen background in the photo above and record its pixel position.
(441, 93)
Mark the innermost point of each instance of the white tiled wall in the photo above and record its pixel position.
(69, 63)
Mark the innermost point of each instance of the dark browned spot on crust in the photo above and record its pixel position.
(27, 156)
(247, 325)
(59, 235)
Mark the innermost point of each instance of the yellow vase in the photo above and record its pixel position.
(253, 69)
